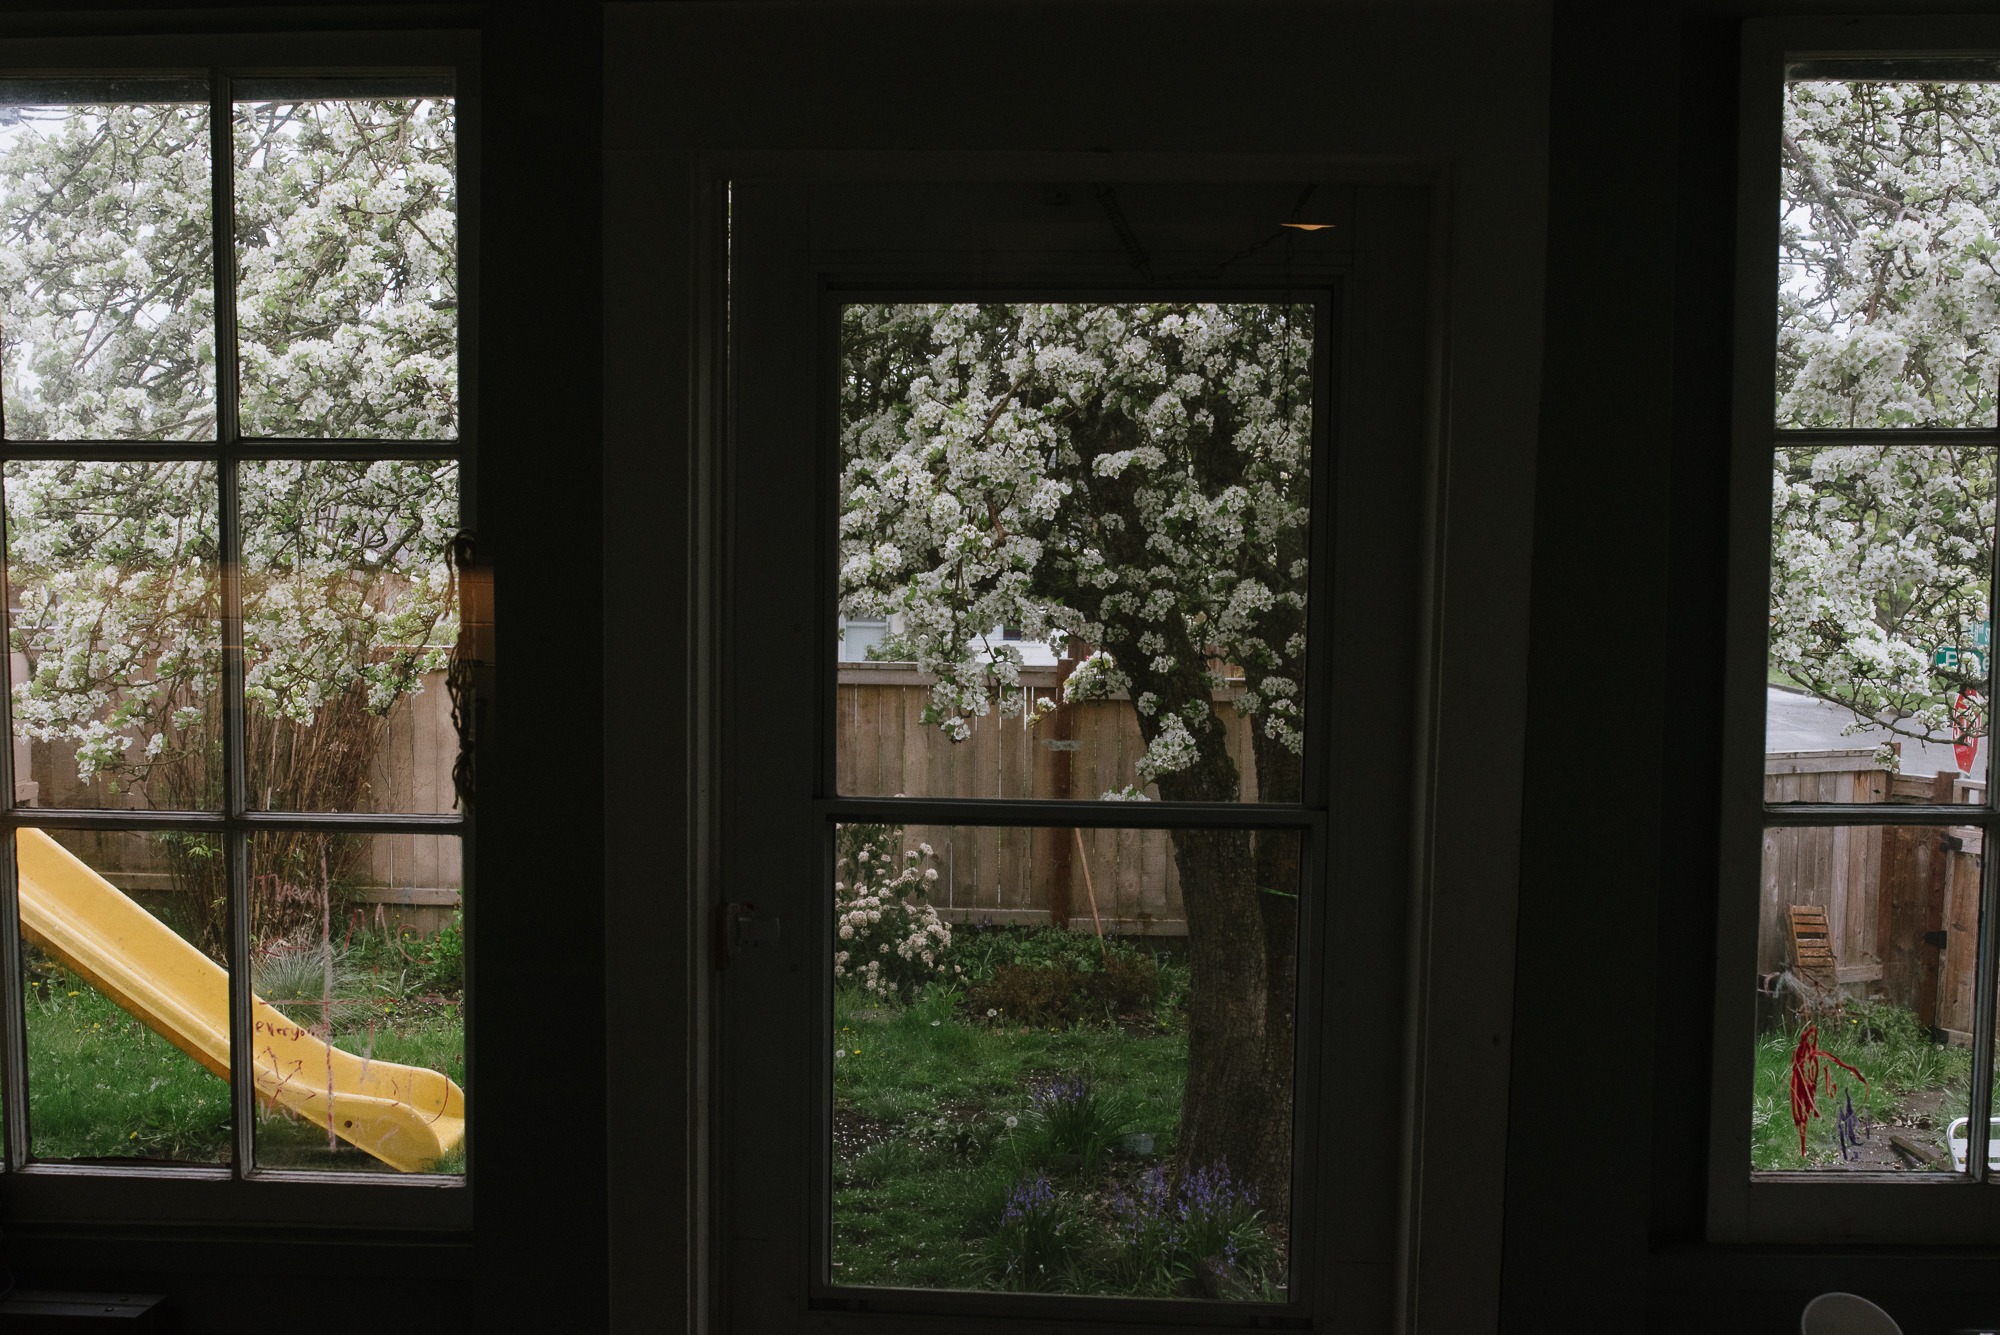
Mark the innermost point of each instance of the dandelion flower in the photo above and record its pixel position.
(990, 1012)
(1013, 1122)
(936, 1023)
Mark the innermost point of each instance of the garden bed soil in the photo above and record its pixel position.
(1920, 1119)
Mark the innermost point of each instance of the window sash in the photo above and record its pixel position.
(59, 1190)
(1747, 1206)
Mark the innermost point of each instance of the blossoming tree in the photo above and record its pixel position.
(1136, 477)
(1889, 315)
(346, 324)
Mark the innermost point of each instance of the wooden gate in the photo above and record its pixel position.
(1901, 901)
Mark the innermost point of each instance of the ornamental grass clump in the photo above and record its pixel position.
(1147, 1233)
(1202, 1237)
(1031, 1247)
(1221, 1230)
(890, 939)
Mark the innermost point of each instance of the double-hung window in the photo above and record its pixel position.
(236, 425)
(1855, 1045)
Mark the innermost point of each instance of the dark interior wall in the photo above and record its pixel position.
(1607, 1155)
(540, 1215)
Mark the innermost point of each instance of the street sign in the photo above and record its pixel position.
(1972, 662)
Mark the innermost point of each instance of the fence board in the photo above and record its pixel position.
(883, 748)
(1961, 927)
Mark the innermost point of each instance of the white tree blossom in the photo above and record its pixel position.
(347, 327)
(1888, 308)
(1135, 476)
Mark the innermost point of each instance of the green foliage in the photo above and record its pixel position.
(446, 955)
(1887, 1045)
(1049, 975)
(982, 950)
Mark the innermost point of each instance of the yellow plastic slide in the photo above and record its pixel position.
(403, 1115)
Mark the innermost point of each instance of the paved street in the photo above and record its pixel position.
(1795, 722)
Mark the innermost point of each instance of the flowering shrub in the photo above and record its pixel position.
(887, 935)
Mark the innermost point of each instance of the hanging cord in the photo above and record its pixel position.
(1107, 199)
(461, 673)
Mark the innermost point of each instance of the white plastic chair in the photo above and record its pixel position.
(1846, 1314)
(1955, 1135)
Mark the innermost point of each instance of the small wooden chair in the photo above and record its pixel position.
(1812, 947)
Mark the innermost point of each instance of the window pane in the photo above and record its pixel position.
(116, 633)
(1074, 550)
(128, 996)
(359, 951)
(1020, 1102)
(1880, 648)
(347, 267)
(1886, 254)
(107, 314)
(1866, 952)
(348, 624)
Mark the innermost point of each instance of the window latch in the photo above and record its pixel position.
(744, 930)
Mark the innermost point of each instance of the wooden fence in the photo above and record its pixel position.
(1083, 750)
(1901, 901)
(411, 878)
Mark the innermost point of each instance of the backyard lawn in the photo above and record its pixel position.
(103, 1085)
(974, 1148)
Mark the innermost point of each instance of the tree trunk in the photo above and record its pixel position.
(1229, 1114)
(1237, 1107)
(1279, 772)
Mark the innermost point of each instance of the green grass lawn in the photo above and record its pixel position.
(101, 1084)
(1914, 1088)
(936, 1126)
